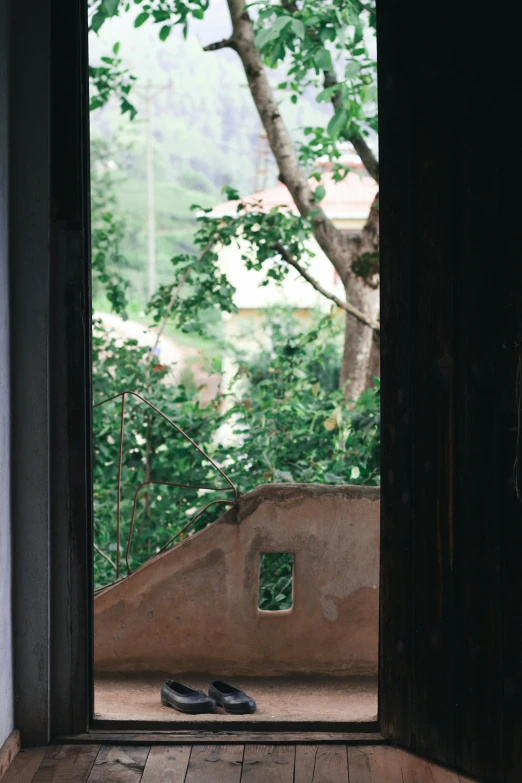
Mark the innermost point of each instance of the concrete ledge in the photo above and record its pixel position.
(194, 608)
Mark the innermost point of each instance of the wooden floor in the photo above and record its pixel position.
(224, 764)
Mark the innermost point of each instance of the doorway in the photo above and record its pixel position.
(235, 360)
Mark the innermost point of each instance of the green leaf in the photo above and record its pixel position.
(327, 34)
(265, 36)
(277, 53)
(338, 123)
(141, 18)
(281, 22)
(110, 7)
(116, 48)
(326, 95)
(299, 28)
(126, 106)
(97, 21)
(352, 69)
(160, 16)
(319, 193)
(164, 32)
(323, 59)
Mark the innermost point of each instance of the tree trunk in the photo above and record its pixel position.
(374, 366)
(364, 294)
(341, 250)
(358, 338)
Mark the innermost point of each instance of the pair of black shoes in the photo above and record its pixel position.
(185, 699)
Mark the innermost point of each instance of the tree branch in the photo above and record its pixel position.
(349, 308)
(226, 43)
(173, 298)
(367, 8)
(100, 552)
(335, 245)
(370, 162)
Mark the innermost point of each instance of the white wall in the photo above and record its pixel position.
(293, 292)
(6, 657)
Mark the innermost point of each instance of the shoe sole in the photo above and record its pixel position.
(235, 712)
(187, 712)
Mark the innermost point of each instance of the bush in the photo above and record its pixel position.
(287, 420)
(290, 421)
(151, 446)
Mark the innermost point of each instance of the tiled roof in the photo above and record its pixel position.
(351, 198)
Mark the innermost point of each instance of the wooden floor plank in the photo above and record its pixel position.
(24, 766)
(8, 751)
(374, 764)
(419, 770)
(222, 763)
(442, 775)
(215, 764)
(120, 764)
(304, 763)
(263, 763)
(181, 737)
(331, 764)
(166, 764)
(321, 764)
(67, 764)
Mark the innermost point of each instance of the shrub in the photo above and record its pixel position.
(286, 421)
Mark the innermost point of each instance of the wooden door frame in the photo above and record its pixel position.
(67, 638)
(50, 306)
(451, 279)
(450, 575)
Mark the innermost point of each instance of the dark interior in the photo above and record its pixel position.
(451, 272)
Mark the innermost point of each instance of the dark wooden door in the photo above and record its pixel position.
(451, 619)
(451, 266)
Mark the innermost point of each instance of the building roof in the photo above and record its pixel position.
(349, 199)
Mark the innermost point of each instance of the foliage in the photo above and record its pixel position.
(275, 581)
(148, 441)
(111, 79)
(107, 231)
(198, 280)
(290, 421)
(312, 41)
(286, 421)
(166, 13)
(316, 38)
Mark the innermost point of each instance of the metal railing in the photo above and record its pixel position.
(230, 488)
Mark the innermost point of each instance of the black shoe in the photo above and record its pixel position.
(175, 694)
(231, 699)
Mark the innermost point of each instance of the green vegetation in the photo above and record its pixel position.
(275, 581)
(286, 421)
(288, 414)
